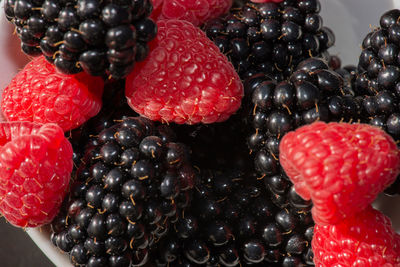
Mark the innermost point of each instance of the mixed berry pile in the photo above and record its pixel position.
(174, 133)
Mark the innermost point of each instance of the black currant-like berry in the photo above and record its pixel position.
(132, 185)
(100, 38)
(275, 37)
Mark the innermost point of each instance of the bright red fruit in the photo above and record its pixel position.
(39, 93)
(185, 78)
(194, 11)
(157, 8)
(364, 240)
(35, 168)
(340, 167)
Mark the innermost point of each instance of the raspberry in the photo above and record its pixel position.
(39, 93)
(185, 79)
(340, 167)
(157, 8)
(194, 11)
(35, 168)
(366, 239)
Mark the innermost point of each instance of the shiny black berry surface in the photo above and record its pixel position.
(378, 78)
(271, 37)
(103, 38)
(232, 222)
(132, 185)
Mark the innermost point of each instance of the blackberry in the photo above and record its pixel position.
(133, 183)
(114, 107)
(271, 37)
(271, 109)
(99, 37)
(313, 92)
(378, 78)
(231, 223)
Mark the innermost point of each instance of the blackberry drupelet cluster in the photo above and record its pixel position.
(114, 107)
(232, 223)
(378, 78)
(133, 184)
(271, 38)
(313, 92)
(348, 73)
(99, 37)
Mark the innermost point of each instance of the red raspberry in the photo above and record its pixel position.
(363, 240)
(35, 167)
(341, 167)
(157, 7)
(195, 11)
(39, 93)
(185, 78)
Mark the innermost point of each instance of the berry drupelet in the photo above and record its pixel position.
(133, 183)
(313, 92)
(378, 78)
(99, 37)
(271, 37)
(231, 223)
(114, 107)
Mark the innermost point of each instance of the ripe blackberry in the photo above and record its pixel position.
(313, 92)
(99, 37)
(271, 37)
(114, 107)
(231, 223)
(133, 183)
(378, 78)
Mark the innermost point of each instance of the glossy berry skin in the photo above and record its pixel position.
(271, 109)
(196, 12)
(271, 37)
(365, 239)
(378, 76)
(36, 164)
(210, 92)
(100, 38)
(39, 93)
(332, 147)
(127, 192)
(241, 227)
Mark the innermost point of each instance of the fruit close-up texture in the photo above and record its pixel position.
(202, 133)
